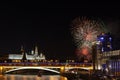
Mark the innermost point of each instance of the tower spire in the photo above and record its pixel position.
(36, 50)
(22, 50)
(23, 54)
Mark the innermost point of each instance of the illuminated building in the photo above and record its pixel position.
(103, 44)
(109, 61)
(105, 58)
(34, 56)
(105, 40)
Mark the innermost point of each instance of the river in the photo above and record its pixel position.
(31, 77)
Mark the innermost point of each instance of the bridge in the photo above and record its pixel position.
(61, 66)
(30, 68)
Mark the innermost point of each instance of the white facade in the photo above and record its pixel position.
(35, 57)
(15, 56)
(32, 56)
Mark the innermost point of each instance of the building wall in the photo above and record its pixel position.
(111, 60)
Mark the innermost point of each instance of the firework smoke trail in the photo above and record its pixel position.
(85, 32)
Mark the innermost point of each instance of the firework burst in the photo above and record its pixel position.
(85, 32)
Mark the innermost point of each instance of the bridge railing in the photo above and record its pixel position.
(45, 64)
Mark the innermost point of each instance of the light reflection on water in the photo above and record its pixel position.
(32, 77)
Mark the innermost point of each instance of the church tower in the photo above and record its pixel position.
(24, 54)
(22, 50)
(36, 50)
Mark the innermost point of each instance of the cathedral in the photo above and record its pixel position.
(34, 56)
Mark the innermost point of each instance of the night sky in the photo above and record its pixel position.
(47, 25)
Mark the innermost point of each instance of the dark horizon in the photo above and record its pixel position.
(48, 26)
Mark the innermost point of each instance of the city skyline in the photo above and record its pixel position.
(48, 26)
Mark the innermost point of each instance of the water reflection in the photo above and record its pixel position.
(32, 77)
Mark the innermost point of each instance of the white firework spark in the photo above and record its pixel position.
(85, 32)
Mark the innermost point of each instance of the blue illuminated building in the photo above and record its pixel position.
(105, 40)
(109, 60)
